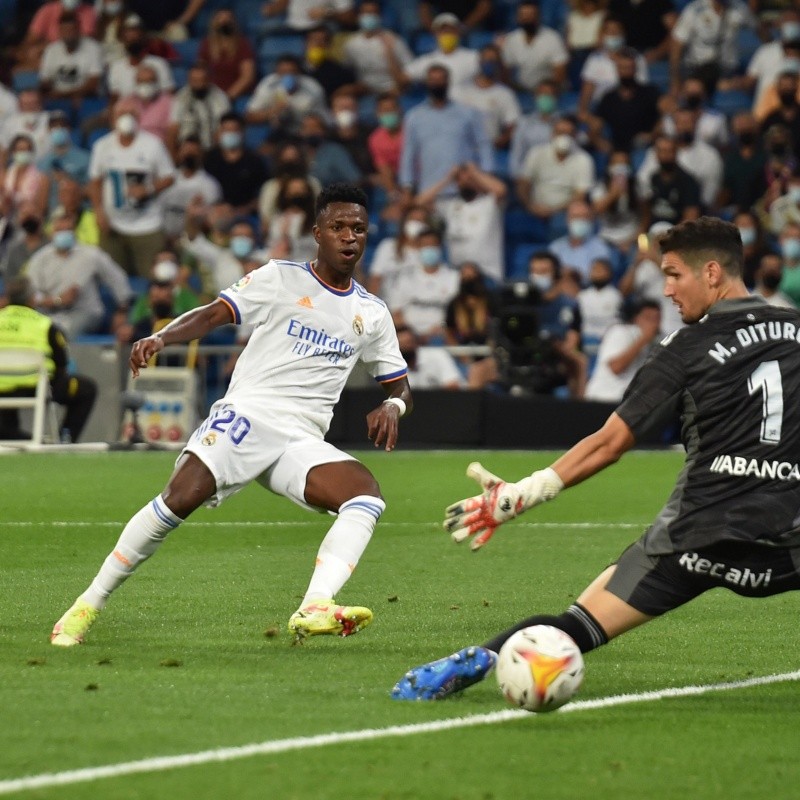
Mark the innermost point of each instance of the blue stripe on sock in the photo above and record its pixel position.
(162, 516)
(371, 508)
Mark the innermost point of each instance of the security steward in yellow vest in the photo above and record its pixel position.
(22, 326)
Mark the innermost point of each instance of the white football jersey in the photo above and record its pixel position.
(307, 338)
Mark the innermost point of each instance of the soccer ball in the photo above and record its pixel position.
(539, 668)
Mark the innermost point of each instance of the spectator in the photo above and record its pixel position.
(743, 181)
(790, 251)
(72, 65)
(66, 275)
(129, 169)
(474, 222)
(44, 29)
(534, 128)
(754, 246)
(20, 325)
(711, 125)
(284, 97)
(72, 202)
(168, 19)
(111, 16)
(64, 158)
(786, 208)
(191, 182)
(9, 105)
(351, 133)
(581, 246)
(705, 41)
(228, 55)
(555, 173)
(629, 110)
(648, 25)
(471, 14)
(469, 314)
(239, 170)
(781, 161)
(321, 65)
(615, 202)
(672, 195)
(423, 294)
(385, 145)
(304, 14)
(30, 120)
(398, 255)
(702, 161)
(600, 72)
(487, 93)
(375, 54)
(461, 63)
(768, 280)
(600, 303)
(328, 161)
(787, 110)
(21, 241)
(534, 52)
(291, 234)
(121, 76)
(154, 105)
(21, 181)
(625, 347)
(428, 367)
(197, 109)
(584, 26)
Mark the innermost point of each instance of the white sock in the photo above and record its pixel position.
(343, 545)
(139, 540)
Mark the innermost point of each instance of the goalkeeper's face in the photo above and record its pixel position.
(691, 290)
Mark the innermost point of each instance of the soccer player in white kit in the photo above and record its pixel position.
(312, 323)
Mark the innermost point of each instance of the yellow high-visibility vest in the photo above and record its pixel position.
(21, 326)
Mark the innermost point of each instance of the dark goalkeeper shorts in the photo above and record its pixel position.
(657, 584)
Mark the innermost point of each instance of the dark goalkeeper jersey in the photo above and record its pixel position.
(735, 376)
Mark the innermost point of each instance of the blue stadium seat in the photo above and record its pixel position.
(187, 51)
(478, 39)
(94, 135)
(58, 104)
(366, 108)
(568, 102)
(424, 42)
(90, 106)
(25, 79)
(272, 47)
(501, 163)
(518, 266)
(240, 103)
(748, 44)
(732, 102)
(522, 227)
(255, 135)
(658, 74)
(180, 75)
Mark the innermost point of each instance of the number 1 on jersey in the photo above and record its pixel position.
(767, 377)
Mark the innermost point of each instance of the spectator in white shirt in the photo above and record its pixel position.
(534, 128)
(600, 304)
(768, 280)
(428, 367)
(28, 119)
(71, 66)
(711, 126)
(301, 15)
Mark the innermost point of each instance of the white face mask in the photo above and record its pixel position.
(562, 143)
(22, 158)
(147, 91)
(413, 228)
(542, 282)
(126, 124)
(346, 118)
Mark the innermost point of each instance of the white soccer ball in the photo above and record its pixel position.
(539, 668)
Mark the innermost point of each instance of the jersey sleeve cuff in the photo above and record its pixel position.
(392, 376)
(237, 317)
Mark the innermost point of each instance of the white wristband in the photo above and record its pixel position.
(396, 401)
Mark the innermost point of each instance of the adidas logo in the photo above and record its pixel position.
(305, 302)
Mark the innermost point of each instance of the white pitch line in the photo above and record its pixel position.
(301, 523)
(162, 763)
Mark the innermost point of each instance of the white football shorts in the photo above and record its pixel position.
(240, 448)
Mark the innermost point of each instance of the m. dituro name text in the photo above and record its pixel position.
(773, 331)
(317, 342)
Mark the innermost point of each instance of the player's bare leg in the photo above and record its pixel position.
(349, 489)
(190, 485)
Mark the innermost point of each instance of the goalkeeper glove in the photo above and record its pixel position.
(481, 515)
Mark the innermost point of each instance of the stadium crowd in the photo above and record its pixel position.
(520, 159)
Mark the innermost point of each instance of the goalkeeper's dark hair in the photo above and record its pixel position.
(699, 241)
(341, 193)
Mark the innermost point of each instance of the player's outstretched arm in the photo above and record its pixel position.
(480, 516)
(383, 421)
(193, 324)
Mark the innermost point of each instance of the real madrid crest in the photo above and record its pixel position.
(209, 439)
(358, 325)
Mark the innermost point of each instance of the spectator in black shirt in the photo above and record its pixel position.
(674, 193)
(322, 66)
(630, 110)
(647, 24)
(350, 132)
(789, 111)
(239, 170)
(743, 181)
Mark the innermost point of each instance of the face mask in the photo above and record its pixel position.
(747, 138)
(59, 137)
(22, 158)
(369, 22)
(471, 287)
(794, 194)
(748, 236)
(600, 283)
(201, 93)
(468, 194)
(190, 162)
(771, 280)
(693, 101)
(225, 29)
(30, 225)
(787, 98)
(291, 169)
(579, 228)
(490, 69)
(544, 283)
(112, 9)
(668, 166)
(162, 310)
(790, 249)
(301, 201)
(241, 246)
(779, 149)
(562, 143)
(147, 91)
(438, 92)
(627, 83)
(619, 171)
(135, 48)
(126, 124)
(545, 103)
(430, 256)
(530, 28)
(314, 139)
(345, 118)
(315, 55)
(447, 42)
(687, 137)
(70, 5)
(613, 42)
(64, 240)
(230, 140)
(389, 120)
(790, 31)
(289, 82)
(413, 228)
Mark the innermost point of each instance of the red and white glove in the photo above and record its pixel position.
(481, 515)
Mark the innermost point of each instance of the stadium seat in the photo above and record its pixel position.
(568, 102)
(732, 102)
(90, 106)
(478, 39)
(366, 108)
(272, 47)
(187, 51)
(94, 135)
(23, 361)
(180, 75)
(748, 44)
(240, 103)
(25, 79)
(658, 74)
(518, 266)
(522, 227)
(423, 43)
(255, 135)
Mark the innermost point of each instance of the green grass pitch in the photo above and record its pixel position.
(180, 661)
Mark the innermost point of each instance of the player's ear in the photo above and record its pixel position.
(713, 272)
(315, 231)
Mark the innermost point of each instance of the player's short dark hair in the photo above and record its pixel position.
(341, 193)
(706, 239)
